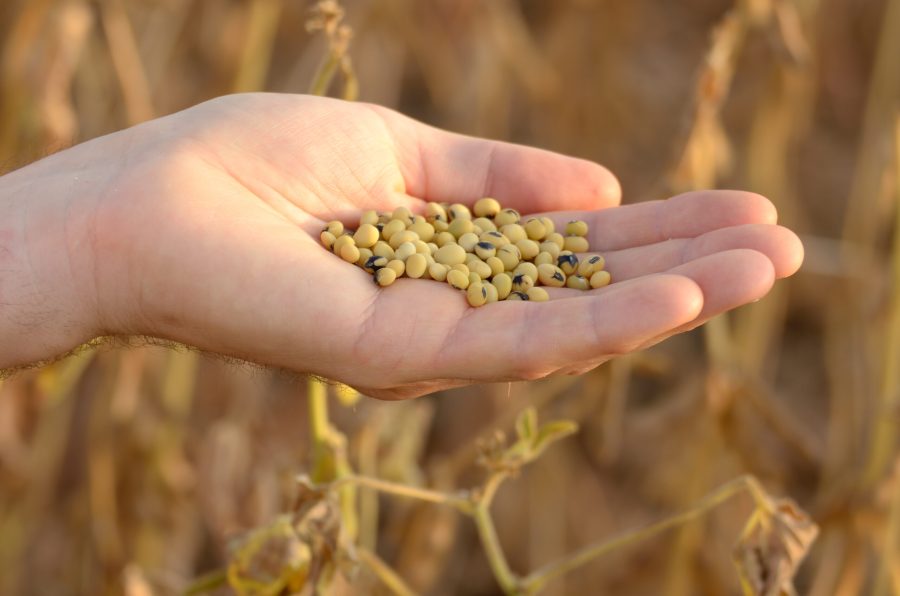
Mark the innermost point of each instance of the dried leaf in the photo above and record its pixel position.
(771, 548)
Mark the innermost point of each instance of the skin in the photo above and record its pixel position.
(202, 228)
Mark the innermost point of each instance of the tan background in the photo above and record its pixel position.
(128, 470)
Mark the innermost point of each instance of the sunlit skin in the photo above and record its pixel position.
(203, 228)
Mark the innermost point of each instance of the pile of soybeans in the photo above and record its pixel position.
(488, 252)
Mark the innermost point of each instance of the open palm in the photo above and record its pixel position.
(215, 244)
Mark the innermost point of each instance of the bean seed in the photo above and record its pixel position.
(514, 232)
(518, 296)
(476, 294)
(492, 294)
(600, 279)
(335, 227)
(551, 275)
(590, 266)
(424, 230)
(435, 212)
(366, 236)
(459, 211)
(576, 244)
(369, 217)
(522, 283)
(535, 229)
(383, 249)
(558, 238)
(468, 241)
(577, 282)
(341, 242)
(375, 263)
(458, 279)
(327, 239)
(385, 276)
(458, 227)
(422, 247)
(477, 230)
(568, 262)
(432, 248)
(401, 237)
(485, 250)
(440, 225)
(529, 269)
(444, 238)
(537, 294)
(528, 248)
(461, 268)
(404, 251)
(544, 258)
(507, 216)
(450, 254)
(486, 207)
(510, 255)
(364, 255)
(485, 224)
(496, 265)
(397, 265)
(503, 283)
(481, 268)
(402, 214)
(349, 253)
(551, 247)
(392, 227)
(495, 238)
(549, 226)
(438, 272)
(474, 278)
(416, 265)
(576, 228)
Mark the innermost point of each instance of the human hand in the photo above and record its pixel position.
(202, 228)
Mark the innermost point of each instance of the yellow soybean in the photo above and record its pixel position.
(535, 229)
(404, 251)
(507, 216)
(600, 279)
(383, 249)
(589, 266)
(485, 250)
(392, 227)
(458, 227)
(476, 294)
(528, 248)
(458, 279)
(327, 239)
(423, 229)
(576, 228)
(385, 277)
(567, 261)
(486, 207)
(335, 227)
(397, 265)
(496, 265)
(537, 294)
(576, 244)
(544, 258)
(514, 232)
(366, 236)
(468, 241)
(492, 294)
(485, 224)
(503, 283)
(550, 247)
(438, 272)
(416, 265)
(577, 282)
(401, 237)
(529, 269)
(551, 275)
(522, 283)
(435, 212)
(459, 211)
(349, 253)
(450, 254)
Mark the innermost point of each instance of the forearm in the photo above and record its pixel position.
(45, 259)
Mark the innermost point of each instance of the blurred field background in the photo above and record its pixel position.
(129, 471)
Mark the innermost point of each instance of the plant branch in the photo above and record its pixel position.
(384, 573)
(541, 577)
(459, 502)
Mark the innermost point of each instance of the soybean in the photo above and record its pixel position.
(551, 275)
(577, 282)
(458, 279)
(416, 266)
(450, 254)
(486, 207)
(537, 294)
(476, 294)
(485, 250)
(600, 279)
(503, 283)
(576, 228)
(576, 244)
(385, 277)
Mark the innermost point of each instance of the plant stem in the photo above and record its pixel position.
(541, 577)
(384, 573)
(207, 583)
(508, 581)
(461, 503)
(325, 74)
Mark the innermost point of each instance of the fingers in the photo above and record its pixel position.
(779, 244)
(683, 216)
(525, 340)
(442, 166)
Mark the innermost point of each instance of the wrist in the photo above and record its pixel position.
(48, 305)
